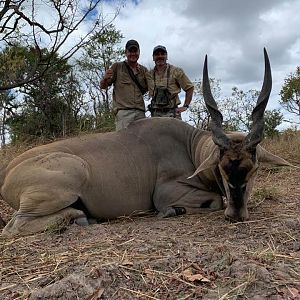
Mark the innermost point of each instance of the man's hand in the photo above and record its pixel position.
(181, 109)
(108, 74)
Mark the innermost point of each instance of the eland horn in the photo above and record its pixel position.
(256, 133)
(218, 134)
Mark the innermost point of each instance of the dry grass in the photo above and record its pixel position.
(188, 257)
(287, 146)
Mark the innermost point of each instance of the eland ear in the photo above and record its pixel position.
(211, 162)
(265, 156)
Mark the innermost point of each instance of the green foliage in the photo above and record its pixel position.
(290, 93)
(102, 50)
(50, 104)
(99, 123)
(15, 63)
(273, 118)
(60, 101)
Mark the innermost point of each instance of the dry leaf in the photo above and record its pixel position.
(188, 275)
(294, 293)
(149, 273)
(294, 254)
(127, 263)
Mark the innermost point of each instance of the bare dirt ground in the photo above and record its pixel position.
(187, 257)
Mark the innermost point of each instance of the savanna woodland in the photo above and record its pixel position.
(49, 90)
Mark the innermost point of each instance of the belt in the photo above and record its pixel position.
(164, 109)
(129, 108)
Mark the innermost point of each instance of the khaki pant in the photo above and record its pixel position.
(125, 116)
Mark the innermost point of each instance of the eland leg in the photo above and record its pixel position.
(22, 224)
(191, 201)
(43, 189)
(41, 208)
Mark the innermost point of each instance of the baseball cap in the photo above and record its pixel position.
(160, 47)
(132, 43)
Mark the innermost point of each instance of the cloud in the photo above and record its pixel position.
(232, 33)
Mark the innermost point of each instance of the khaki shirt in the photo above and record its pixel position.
(126, 94)
(177, 81)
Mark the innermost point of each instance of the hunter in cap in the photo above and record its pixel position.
(129, 80)
(166, 82)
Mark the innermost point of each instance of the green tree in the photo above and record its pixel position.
(273, 118)
(290, 93)
(98, 55)
(15, 64)
(49, 104)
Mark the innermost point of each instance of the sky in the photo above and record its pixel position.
(232, 33)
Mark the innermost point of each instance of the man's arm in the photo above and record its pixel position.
(185, 83)
(188, 97)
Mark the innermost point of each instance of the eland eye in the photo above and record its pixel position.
(231, 185)
(242, 186)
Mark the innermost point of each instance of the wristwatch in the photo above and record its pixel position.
(186, 105)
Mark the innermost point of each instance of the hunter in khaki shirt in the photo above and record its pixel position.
(177, 81)
(126, 94)
(173, 79)
(129, 80)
